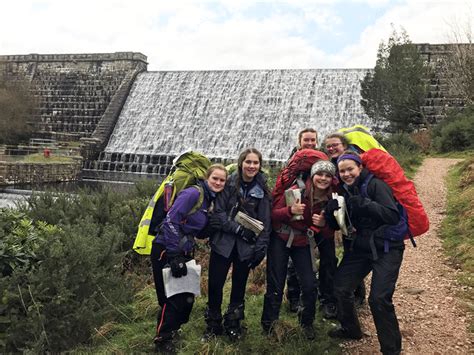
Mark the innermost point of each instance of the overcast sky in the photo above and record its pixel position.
(233, 34)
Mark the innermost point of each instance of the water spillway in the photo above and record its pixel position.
(221, 112)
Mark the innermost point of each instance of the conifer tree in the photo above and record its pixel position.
(395, 90)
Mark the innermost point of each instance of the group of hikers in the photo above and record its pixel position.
(288, 238)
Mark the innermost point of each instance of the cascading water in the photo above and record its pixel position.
(221, 112)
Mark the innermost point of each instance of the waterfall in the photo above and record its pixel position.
(221, 112)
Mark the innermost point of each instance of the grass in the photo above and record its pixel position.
(38, 158)
(136, 333)
(458, 229)
(462, 154)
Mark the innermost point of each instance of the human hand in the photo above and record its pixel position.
(358, 202)
(319, 220)
(331, 206)
(246, 234)
(257, 258)
(177, 263)
(214, 222)
(297, 208)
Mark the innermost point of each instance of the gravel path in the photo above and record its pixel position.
(430, 316)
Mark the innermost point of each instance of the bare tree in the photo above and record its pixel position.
(17, 106)
(459, 66)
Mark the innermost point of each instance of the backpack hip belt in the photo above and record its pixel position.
(286, 229)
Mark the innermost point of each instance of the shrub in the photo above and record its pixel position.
(404, 149)
(456, 133)
(63, 259)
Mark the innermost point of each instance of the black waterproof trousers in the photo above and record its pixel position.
(354, 267)
(277, 261)
(218, 269)
(327, 269)
(174, 310)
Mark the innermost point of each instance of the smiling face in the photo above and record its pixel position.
(322, 180)
(334, 147)
(349, 170)
(216, 180)
(250, 167)
(309, 140)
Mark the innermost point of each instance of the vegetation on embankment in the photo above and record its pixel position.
(64, 262)
(458, 228)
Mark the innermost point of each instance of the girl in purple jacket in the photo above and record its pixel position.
(173, 246)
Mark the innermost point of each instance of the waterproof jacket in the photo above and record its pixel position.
(256, 204)
(179, 229)
(381, 210)
(281, 218)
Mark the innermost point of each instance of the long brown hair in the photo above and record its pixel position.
(240, 162)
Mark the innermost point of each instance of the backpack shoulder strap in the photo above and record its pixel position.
(200, 200)
(365, 184)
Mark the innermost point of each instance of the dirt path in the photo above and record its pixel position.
(431, 320)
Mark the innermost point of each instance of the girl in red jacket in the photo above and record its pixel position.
(290, 238)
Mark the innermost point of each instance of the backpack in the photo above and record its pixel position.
(297, 169)
(395, 232)
(386, 168)
(360, 139)
(187, 169)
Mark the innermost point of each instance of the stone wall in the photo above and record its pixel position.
(439, 99)
(33, 173)
(73, 90)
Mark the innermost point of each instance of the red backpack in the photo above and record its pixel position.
(299, 166)
(386, 168)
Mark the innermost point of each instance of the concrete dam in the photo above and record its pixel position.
(132, 123)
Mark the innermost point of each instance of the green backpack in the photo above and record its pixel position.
(187, 169)
(360, 138)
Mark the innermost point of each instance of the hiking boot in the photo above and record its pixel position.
(267, 328)
(329, 311)
(293, 305)
(232, 321)
(308, 332)
(214, 324)
(343, 333)
(165, 347)
(211, 333)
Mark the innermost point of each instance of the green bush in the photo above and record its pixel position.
(63, 258)
(404, 149)
(456, 133)
(19, 240)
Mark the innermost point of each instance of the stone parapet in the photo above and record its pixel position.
(84, 57)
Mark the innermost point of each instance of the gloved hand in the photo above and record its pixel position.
(177, 263)
(359, 205)
(257, 258)
(246, 234)
(213, 225)
(331, 206)
(214, 222)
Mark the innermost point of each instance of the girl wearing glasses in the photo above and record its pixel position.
(335, 145)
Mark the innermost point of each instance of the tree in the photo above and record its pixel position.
(459, 64)
(17, 106)
(395, 90)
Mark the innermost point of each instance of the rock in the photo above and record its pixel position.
(414, 290)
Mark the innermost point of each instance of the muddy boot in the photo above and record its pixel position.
(232, 320)
(214, 325)
(164, 344)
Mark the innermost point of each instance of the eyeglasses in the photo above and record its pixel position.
(329, 146)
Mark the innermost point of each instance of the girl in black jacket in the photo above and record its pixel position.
(235, 245)
(366, 252)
